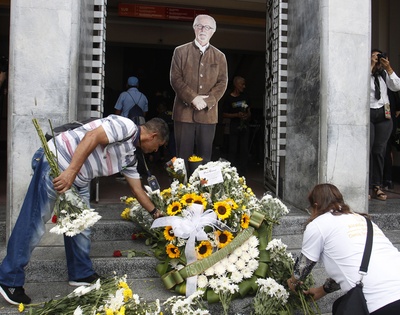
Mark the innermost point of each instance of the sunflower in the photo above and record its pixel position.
(224, 238)
(244, 222)
(223, 209)
(169, 233)
(200, 200)
(204, 250)
(188, 199)
(232, 203)
(173, 251)
(174, 208)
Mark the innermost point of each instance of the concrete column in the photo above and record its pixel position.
(328, 111)
(44, 55)
(345, 79)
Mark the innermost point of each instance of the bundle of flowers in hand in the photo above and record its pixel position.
(109, 296)
(71, 214)
(214, 234)
(176, 169)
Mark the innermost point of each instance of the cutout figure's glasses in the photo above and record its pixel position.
(205, 27)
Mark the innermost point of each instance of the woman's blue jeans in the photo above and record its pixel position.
(30, 227)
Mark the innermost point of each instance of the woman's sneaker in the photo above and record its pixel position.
(14, 295)
(85, 281)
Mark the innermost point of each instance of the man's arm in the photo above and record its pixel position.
(138, 192)
(89, 142)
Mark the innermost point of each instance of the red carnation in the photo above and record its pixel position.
(54, 219)
(117, 253)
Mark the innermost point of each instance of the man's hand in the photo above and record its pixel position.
(199, 102)
(64, 181)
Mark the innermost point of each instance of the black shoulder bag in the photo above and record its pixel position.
(353, 302)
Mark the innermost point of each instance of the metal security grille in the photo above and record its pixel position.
(276, 92)
(98, 61)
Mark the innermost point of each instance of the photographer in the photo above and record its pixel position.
(382, 78)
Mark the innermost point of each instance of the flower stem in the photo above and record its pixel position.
(51, 158)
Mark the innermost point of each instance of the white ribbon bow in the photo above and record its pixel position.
(191, 227)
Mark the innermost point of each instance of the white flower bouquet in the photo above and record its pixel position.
(176, 169)
(108, 296)
(71, 214)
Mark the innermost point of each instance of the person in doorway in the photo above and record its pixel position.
(337, 236)
(100, 148)
(237, 109)
(132, 103)
(382, 78)
(198, 75)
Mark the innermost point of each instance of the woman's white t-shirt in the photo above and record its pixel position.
(339, 241)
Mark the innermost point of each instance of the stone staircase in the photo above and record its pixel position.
(47, 274)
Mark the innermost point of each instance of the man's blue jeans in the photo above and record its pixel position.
(30, 227)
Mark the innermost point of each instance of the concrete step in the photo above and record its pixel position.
(47, 274)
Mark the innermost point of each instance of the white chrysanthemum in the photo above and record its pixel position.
(231, 268)
(213, 283)
(116, 301)
(273, 289)
(245, 256)
(245, 246)
(240, 264)
(247, 273)
(254, 252)
(232, 258)
(210, 271)
(238, 252)
(78, 311)
(253, 241)
(237, 276)
(219, 270)
(252, 265)
(202, 281)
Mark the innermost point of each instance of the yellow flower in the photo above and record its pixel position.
(223, 209)
(232, 203)
(173, 251)
(174, 208)
(126, 214)
(244, 222)
(195, 158)
(109, 311)
(204, 250)
(166, 193)
(123, 284)
(127, 295)
(188, 199)
(129, 200)
(200, 200)
(169, 233)
(121, 310)
(224, 238)
(21, 307)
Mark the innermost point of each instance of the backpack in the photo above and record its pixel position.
(68, 126)
(136, 113)
(73, 125)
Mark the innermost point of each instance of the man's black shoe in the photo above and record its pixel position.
(85, 281)
(14, 295)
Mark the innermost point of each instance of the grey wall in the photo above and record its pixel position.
(303, 110)
(46, 39)
(328, 107)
